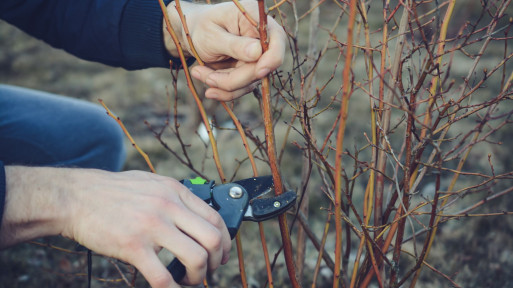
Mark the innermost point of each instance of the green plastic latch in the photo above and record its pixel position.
(198, 181)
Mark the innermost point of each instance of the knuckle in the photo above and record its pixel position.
(170, 182)
(160, 280)
(280, 61)
(132, 250)
(164, 203)
(215, 241)
(227, 85)
(215, 219)
(276, 62)
(150, 220)
(198, 261)
(134, 245)
(187, 196)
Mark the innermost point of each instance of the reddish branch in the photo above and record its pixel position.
(271, 148)
(346, 94)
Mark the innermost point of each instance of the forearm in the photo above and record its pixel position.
(35, 203)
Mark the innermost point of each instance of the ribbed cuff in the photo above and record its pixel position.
(141, 35)
(3, 189)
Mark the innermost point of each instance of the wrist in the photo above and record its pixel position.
(35, 205)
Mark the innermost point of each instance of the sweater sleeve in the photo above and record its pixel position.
(3, 189)
(123, 33)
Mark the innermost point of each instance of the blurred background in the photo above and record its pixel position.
(474, 252)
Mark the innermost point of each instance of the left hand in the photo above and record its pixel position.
(229, 45)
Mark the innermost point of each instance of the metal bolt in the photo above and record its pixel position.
(236, 192)
(277, 204)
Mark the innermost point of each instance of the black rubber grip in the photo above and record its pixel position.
(177, 270)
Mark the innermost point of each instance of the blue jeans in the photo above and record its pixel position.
(42, 129)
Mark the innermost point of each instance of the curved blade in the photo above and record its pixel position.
(261, 209)
(257, 186)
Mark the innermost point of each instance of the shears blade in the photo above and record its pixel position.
(257, 186)
(263, 204)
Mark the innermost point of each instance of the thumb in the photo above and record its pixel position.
(241, 48)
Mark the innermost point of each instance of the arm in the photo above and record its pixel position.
(129, 216)
(131, 34)
(124, 33)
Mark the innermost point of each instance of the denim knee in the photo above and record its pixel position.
(99, 141)
(39, 128)
(111, 147)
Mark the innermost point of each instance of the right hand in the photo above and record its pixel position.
(130, 216)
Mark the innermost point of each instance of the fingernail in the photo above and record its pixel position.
(211, 83)
(196, 74)
(225, 259)
(253, 50)
(263, 72)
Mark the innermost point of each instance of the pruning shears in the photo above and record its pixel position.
(243, 200)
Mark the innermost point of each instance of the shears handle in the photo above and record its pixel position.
(177, 270)
(230, 201)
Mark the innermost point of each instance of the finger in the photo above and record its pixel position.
(205, 234)
(209, 229)
(190, 253)
(221, 95)
(201, 222)
(244, 48)
(153, 270)
(274, 56)
(229, 79)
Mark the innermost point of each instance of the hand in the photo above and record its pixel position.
(130, 216)
(229, 45)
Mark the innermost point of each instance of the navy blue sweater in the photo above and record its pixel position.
(2, 191)
(122, 33)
